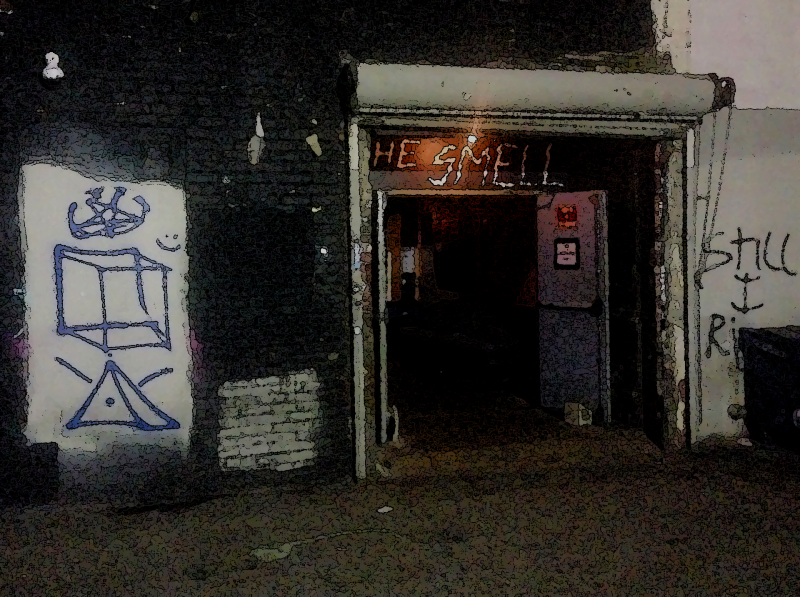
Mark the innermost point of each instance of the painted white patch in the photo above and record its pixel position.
(407, 258)
(52, 71)
(313, 143)
(58, 389)
(269, 423)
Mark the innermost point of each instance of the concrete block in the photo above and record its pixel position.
(233, 385)
(296, 456)
(279, 439)
(248, 401)
(233, 434)
(228, 451)
(287, 466)
(247, 462)
(285, 408)
(282, 397)
(257, 449)
(238, 413)
(309, 407)
(293, 427)
(303, 416)
(260, 391)
(240, 423)
(300, 377)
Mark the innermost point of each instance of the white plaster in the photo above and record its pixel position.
(758, 195)
(282, 430)
(55, 393)
(52, 70)
(753, 41)
(672, 24)
(313, 143)
(359, 167)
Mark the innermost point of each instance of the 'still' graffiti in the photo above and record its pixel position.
(718, 321)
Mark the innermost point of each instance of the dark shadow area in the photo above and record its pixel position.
(771, 374)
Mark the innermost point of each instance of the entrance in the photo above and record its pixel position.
(625, 133)
(516, 297)
(493, 303)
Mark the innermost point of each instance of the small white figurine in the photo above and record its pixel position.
(52, 71)
(256, 145)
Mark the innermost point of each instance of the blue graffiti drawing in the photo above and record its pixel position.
(108, 219)
(166, 248)
(107, 306)
(73, 369)
(152, 376)
(131, 417)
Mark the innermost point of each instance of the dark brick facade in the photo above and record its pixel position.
(162, 97)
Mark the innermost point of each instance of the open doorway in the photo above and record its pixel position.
(463, 324)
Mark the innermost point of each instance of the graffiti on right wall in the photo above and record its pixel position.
(716, 321)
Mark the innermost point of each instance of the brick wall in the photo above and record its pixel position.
(163, 99)
(270, 423)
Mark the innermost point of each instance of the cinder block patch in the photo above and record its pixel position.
(269, 423)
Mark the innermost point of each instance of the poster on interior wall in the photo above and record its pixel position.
(465, 161)
(105, 290)
(567, 217)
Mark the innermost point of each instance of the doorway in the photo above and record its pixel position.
(493, 307)
(458, 341)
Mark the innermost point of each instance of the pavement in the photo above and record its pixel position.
(552, 510)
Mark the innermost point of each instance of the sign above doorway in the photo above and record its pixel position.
(463, 161)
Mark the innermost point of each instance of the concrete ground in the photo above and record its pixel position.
(551, 510)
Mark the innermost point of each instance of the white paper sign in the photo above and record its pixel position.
(566, 254)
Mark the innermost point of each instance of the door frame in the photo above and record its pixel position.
(366, 394)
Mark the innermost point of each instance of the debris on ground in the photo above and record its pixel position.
(577, 414)
(271, 554)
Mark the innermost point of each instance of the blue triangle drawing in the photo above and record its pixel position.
(118, 375)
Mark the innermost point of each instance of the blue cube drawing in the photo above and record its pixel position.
(112, 300)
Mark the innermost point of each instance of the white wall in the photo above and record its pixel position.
(754, 41)
(64, 368)
(673, 31)
(758, 195)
